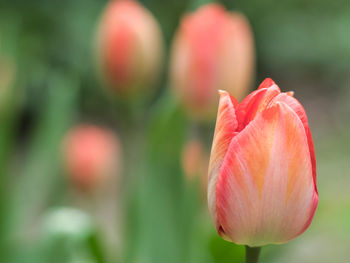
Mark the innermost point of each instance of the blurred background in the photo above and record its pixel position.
(150, 203)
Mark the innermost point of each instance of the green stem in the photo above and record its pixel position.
(252, 254)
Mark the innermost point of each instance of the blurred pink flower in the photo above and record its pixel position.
(91, 156)
(194, 161)
(130, 47)
(213, 49)
(262, 172)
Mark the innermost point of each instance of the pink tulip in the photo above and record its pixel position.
(91, 156)
(130, 47)
(213, 49)
(194, 161)
(262, 172)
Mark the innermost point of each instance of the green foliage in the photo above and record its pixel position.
(225, 252)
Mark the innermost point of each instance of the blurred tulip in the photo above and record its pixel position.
(262, 172)
(213, 49)
(194, 162)
(130, 47)
(91, 156)
(192, 158)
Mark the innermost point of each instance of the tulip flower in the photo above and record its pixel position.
(192, 158)
(130, 47)
(213, 49)
(91, 156)
(194, 161)
(262, 172)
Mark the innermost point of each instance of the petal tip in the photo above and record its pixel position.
(222, 92)
(268, 82)
(290, 93)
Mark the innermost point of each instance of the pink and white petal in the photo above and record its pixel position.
(267, 83)
(226, 125)
(295, 105)
(256, 102)
(265, 192)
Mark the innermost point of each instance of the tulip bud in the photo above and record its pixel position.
(194, 162)
(191, 158)
(213, 49)
(262, 172)
(91, 156)
(130, 47)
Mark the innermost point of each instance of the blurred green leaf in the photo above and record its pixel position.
(225, 252)
(40, 171)
(69, 235)
(161, 223)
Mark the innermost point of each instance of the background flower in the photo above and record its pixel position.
(91, 156)
(213, 49)
(130, 47)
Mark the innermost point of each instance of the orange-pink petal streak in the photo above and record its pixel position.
(295, 105)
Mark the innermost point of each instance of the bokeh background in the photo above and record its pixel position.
(48, 72)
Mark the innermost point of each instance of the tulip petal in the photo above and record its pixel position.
(295, 105)
(267, 83)
(265, 191)
(226, 125)
(256, 102)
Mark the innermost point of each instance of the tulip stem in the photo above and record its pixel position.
(252, 254)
